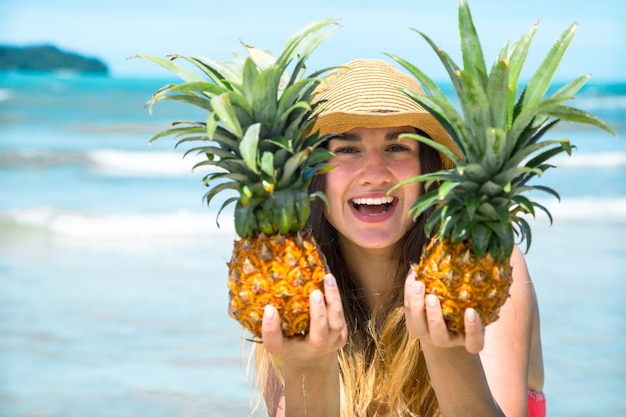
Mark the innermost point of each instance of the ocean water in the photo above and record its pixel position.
(113, 273)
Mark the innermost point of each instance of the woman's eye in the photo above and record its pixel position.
(344, 149)
(398, 148)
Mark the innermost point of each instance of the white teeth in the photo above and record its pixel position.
(373, 201)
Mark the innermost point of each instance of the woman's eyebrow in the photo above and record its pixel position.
(393, 135)
(347, 137)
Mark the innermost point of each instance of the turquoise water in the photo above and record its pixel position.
(113, 273)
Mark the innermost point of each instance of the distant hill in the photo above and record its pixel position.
(47, 58)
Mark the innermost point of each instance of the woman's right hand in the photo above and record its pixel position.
(327, 333)
(424, 320)
(311, 368)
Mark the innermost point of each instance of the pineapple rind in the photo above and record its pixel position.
(281, 270)
(461, 280)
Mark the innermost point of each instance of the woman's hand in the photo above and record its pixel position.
(327, 333)
(311, 368)
(424, 320)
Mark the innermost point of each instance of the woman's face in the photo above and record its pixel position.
(369, 162)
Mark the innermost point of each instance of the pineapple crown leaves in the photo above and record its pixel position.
(257, 138)
(499, 135)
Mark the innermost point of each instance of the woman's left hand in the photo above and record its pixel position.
(424, 320)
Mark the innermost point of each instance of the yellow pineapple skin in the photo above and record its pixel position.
(281, 270)
(460, 280)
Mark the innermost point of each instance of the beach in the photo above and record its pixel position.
(113, 298)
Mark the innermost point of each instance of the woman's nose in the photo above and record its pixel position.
(374, 170)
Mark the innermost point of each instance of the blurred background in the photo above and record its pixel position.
(112, 272)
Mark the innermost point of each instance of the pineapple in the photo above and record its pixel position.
(479, 207)
(257, 135)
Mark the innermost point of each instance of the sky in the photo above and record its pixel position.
(114, 30)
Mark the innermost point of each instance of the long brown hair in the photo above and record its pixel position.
(379, 349)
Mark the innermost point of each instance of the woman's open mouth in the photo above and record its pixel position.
(373, 206)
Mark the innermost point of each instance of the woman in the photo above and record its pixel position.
(378, 346)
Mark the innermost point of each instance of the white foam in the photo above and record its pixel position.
(602, 160)
(143, 163)
(585, 208)
(5, 94)
(598, 102)
(123, 226)
(108, 161)
(181, 224)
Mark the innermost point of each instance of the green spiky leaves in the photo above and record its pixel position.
(500, 136)
(256, 138)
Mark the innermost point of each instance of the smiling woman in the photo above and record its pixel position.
(376, 325)
(421, 333)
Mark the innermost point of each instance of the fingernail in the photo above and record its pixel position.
(418, 287)
(317, 297)
(329, 280)
(268, 312)
(431, 300)
(470, 315)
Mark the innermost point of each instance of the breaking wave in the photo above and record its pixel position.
(111, 162)
(172, 163)
(601, 160)
(95, 226)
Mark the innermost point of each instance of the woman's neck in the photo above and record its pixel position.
(373, 269)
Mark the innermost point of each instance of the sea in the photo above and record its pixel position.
(113, 298)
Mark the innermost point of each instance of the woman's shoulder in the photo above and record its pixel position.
(518, 261)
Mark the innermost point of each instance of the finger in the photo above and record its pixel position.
(437, 328)
(336, 318)
(474, 332)
(318, 331)
(414, 311)
(271, 331)
(409, 289)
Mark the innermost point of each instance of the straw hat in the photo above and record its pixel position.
(366, 93)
